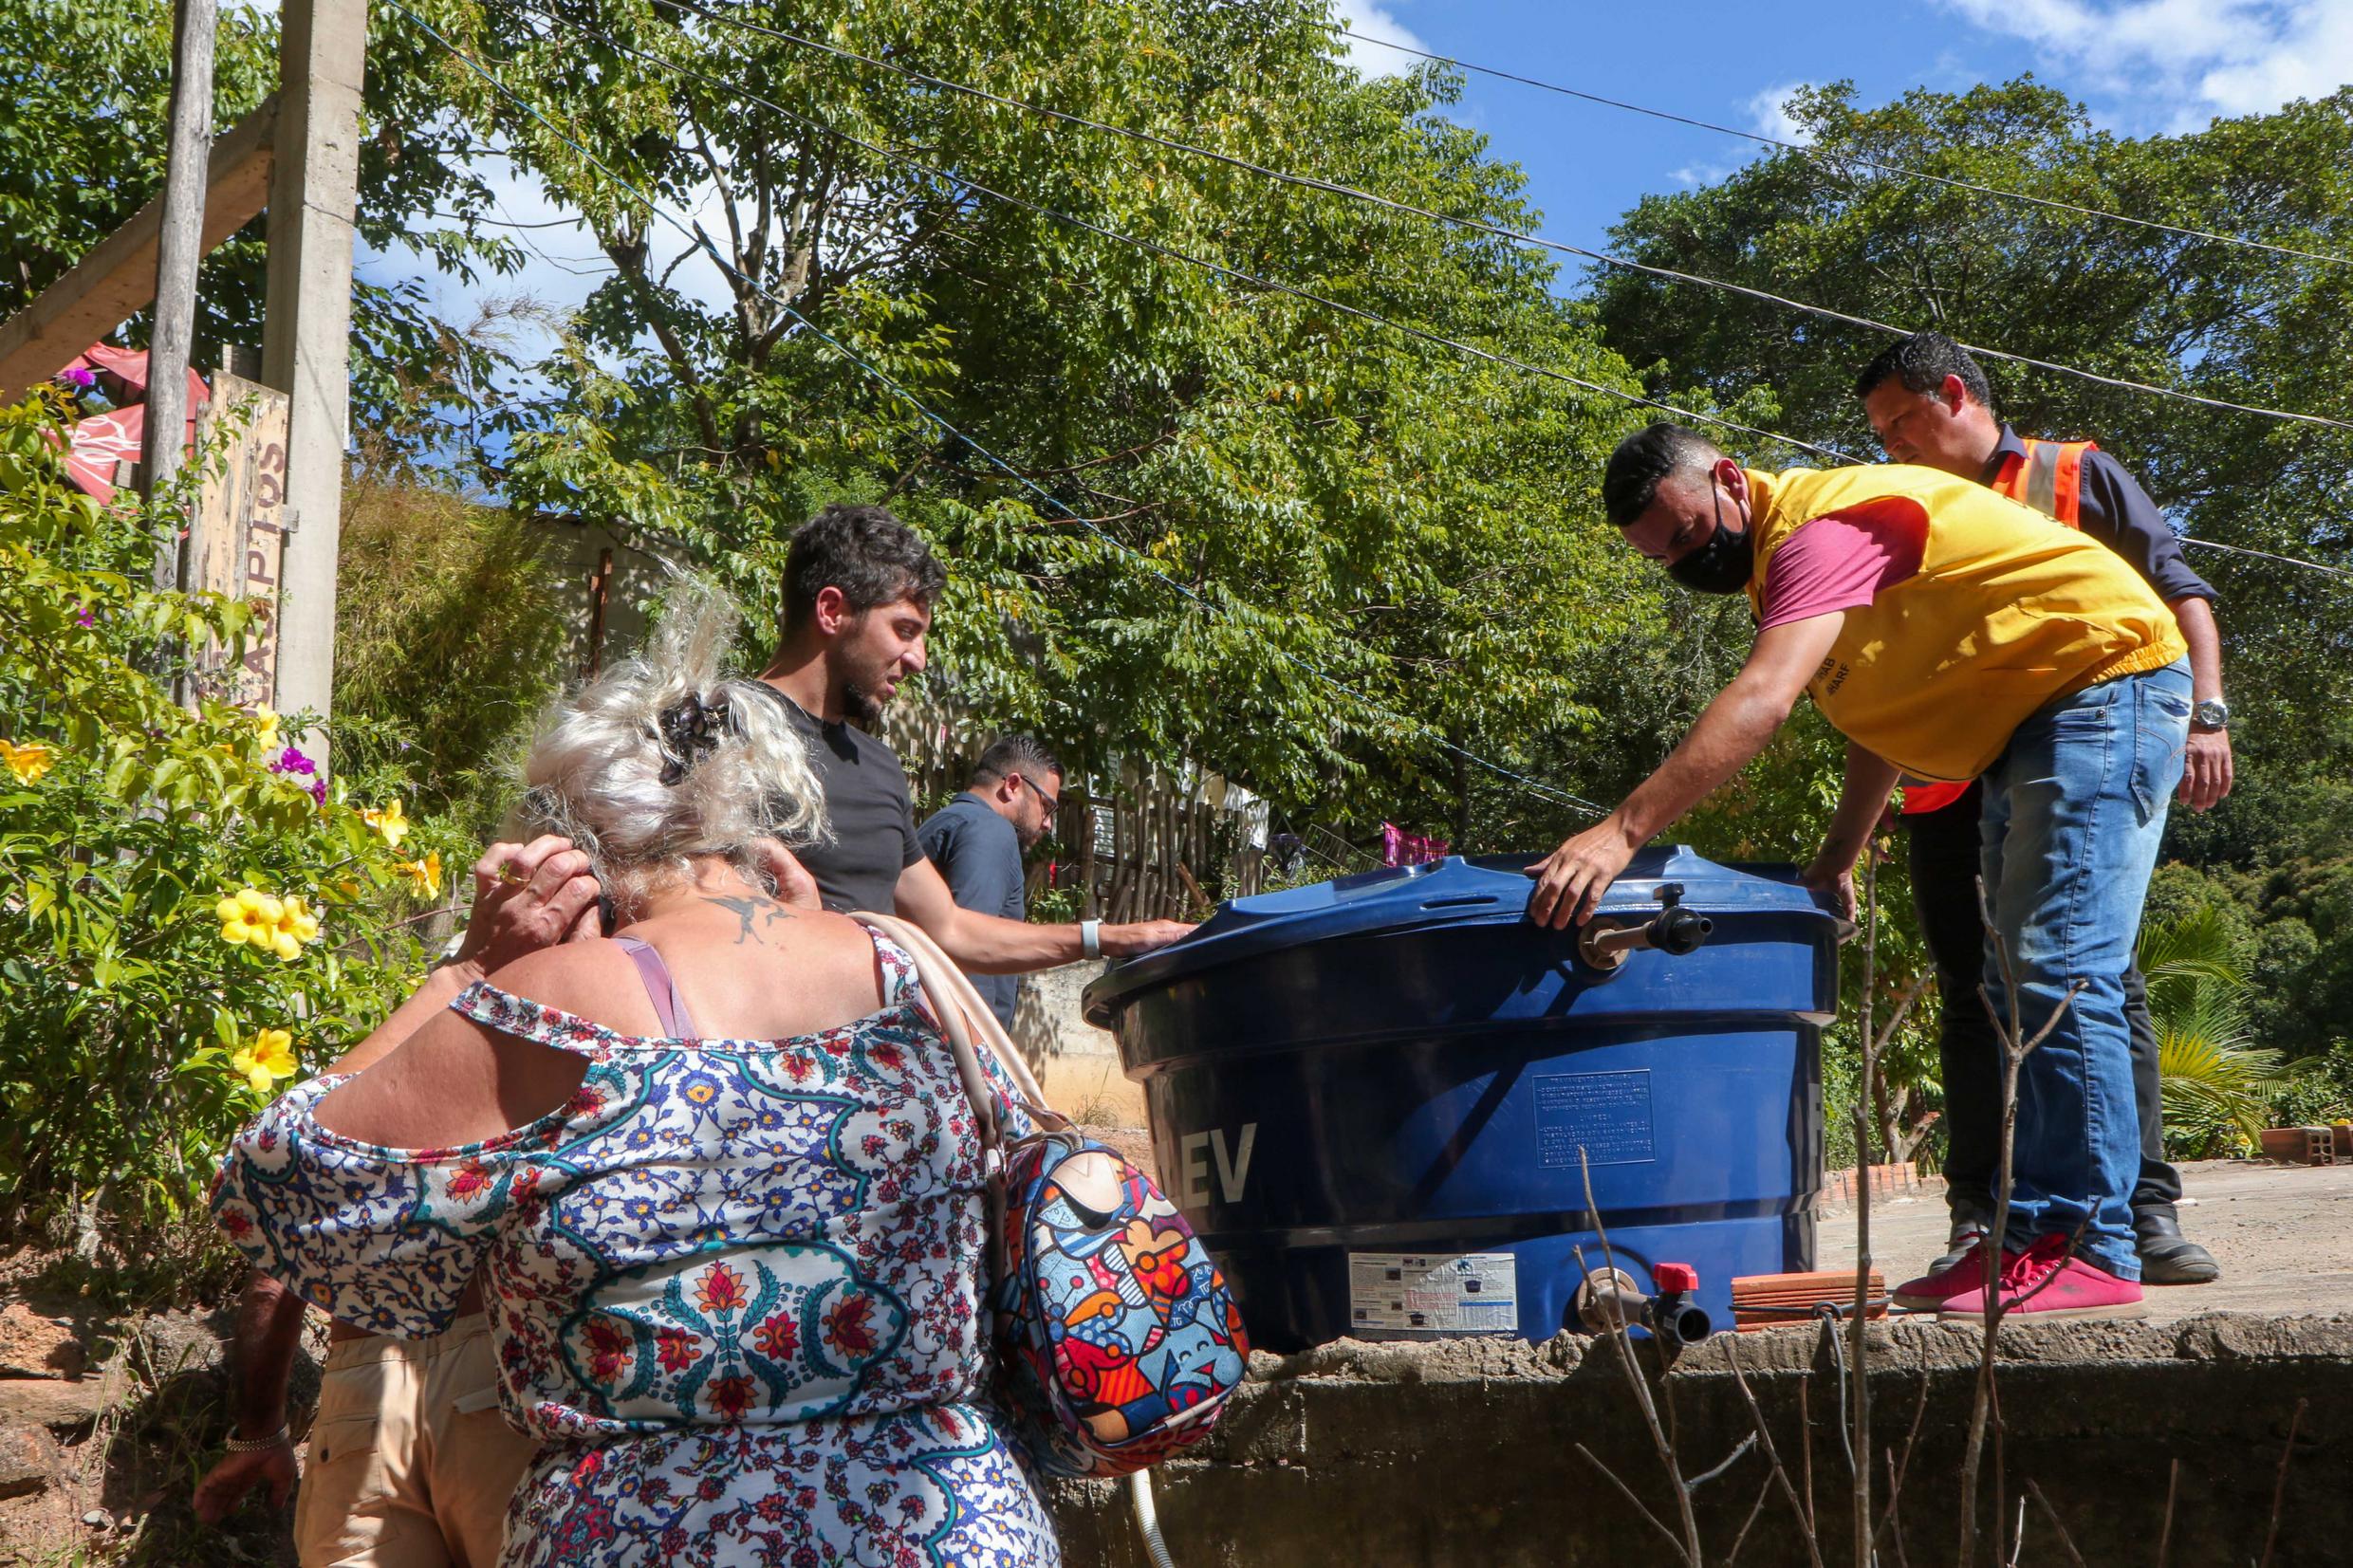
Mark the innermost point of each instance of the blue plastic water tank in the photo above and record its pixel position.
(1370, 1095)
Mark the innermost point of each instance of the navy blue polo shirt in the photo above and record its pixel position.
(2114, 509)
(980, 853)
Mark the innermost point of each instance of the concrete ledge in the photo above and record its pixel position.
(1465, 1451)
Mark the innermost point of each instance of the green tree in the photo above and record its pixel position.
(82, 148)
(2223, 322)
(1324, 493)
(2218, 1085)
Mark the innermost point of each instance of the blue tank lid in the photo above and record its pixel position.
(1486, 890)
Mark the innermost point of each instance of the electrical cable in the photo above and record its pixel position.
(1816, 155)
(1255, 280)
(1155, 248)
(703, 241)
(1481, 226)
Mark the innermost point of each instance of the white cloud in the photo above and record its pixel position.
(1371, 19)
(2173, 63)
(1769, 114)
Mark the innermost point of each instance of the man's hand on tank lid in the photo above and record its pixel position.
(1142, 936)
(1571, 879)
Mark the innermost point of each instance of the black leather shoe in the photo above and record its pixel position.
(1970, 1224)
(2168, 1257)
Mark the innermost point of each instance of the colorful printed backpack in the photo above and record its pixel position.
(1118, 1341)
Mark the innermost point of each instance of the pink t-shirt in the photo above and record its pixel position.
(1842, 559)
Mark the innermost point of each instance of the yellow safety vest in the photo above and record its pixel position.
(2008, 611)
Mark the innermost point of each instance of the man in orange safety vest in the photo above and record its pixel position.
(1931, 405)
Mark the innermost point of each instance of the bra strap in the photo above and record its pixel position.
(661, 988)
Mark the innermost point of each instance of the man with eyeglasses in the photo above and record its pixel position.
(977, 839)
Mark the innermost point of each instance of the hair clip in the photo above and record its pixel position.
(689, 729)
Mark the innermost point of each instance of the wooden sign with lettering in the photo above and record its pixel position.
(238, 535)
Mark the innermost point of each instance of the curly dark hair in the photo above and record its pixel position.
(1923, 360)
(1642, 459)
(865, 551)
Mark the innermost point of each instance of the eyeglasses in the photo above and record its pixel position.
(1053, 803)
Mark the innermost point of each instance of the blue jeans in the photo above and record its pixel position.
(2074, 812)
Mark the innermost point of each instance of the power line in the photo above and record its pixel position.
(1481, 226)
(702, 242)
(2266, 555)
(1257, 281)
(1239, 274)
(1816, 155)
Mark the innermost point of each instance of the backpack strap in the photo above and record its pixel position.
(660, 989)
(971, 1028)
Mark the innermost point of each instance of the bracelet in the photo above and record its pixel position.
(257, 1444)
(1090, 938)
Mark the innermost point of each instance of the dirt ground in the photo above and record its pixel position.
(2283, 1234)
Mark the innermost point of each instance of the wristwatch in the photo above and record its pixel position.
(1090, 938)
(2213, 713)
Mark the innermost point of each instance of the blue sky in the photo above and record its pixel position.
(2139, 67)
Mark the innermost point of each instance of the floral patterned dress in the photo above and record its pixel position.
(736, 1286)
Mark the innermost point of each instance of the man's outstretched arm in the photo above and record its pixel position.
(1862, 796)
(990, 944)
(1736, 725)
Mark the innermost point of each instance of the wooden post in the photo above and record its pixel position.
(116, 278)
(314, 194)
(179, 249)
(235, 537)
(600, 589)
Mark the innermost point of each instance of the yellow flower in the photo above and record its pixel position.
(266, 722)
(389, 822)
(28, 761)
(263, 1059)
(426, 874)
(267, 922)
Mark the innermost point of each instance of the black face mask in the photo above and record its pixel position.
(1722, 566)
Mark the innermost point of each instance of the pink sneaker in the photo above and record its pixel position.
(1931, 1291)
(2045, 1282)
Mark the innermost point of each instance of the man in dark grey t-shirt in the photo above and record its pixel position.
(859, 586)
(978, 840)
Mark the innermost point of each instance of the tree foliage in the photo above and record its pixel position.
(90, 88)
(1313, 549)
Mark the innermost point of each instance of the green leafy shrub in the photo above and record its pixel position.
(450, 637)
(189, 916)
(2217, 1086)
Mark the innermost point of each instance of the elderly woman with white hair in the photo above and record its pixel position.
(717, 1173)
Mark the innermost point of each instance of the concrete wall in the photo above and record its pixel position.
(1385, 1456)
(1077, 1065)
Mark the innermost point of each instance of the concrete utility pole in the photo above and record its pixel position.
(179, 249)
(313, 199)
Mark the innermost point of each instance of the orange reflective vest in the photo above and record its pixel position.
(2049, 478)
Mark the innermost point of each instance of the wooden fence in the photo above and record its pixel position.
(1143, 841)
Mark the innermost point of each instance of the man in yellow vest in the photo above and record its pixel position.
(1931, 405)
(1949, 633)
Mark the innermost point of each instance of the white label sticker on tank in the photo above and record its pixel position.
(1437, 1293)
